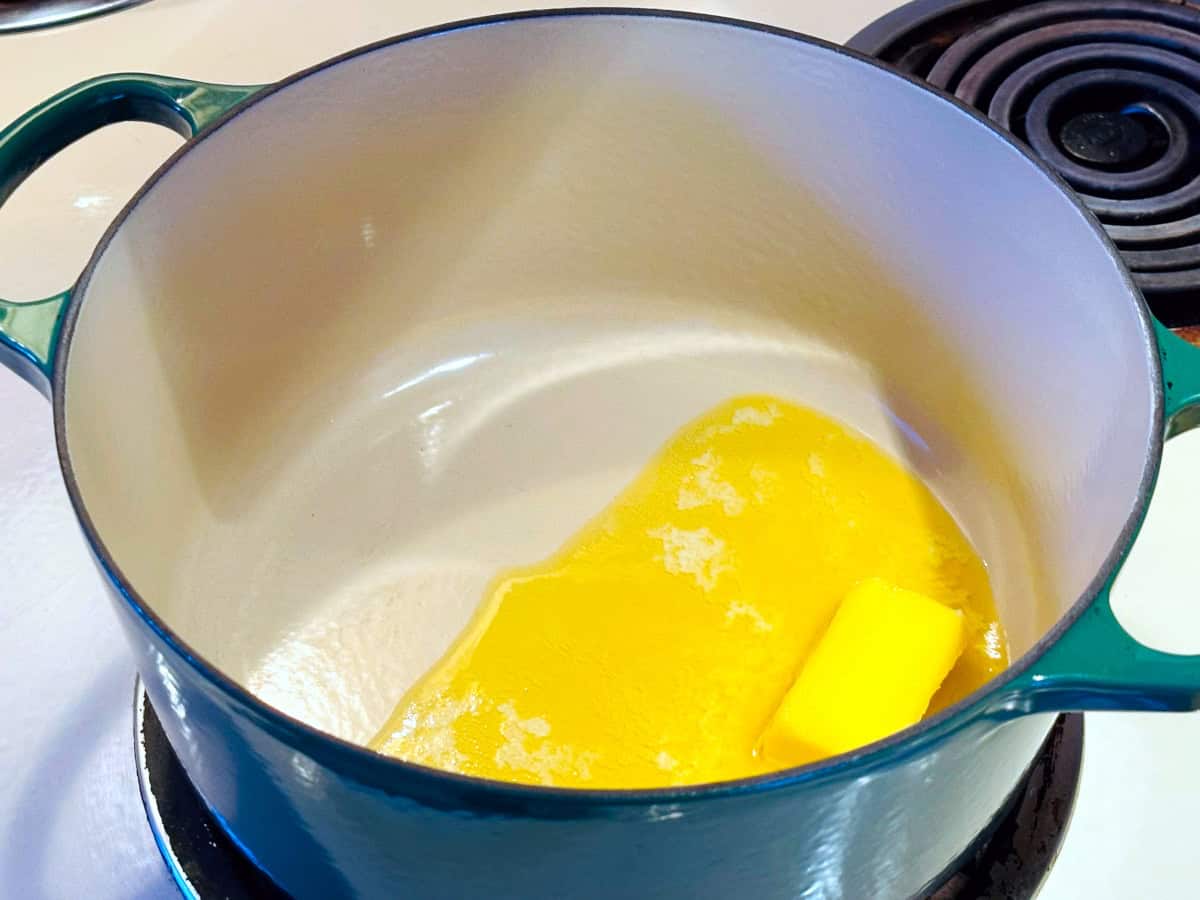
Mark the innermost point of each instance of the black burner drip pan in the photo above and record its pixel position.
(1107, 93)
(1009, 862)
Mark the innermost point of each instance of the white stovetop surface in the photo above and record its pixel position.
(71, 821)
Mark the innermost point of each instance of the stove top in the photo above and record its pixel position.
(72, 823)
(1107, 93)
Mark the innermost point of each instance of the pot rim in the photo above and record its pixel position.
(373, 768)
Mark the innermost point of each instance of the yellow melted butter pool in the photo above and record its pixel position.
(652, 649)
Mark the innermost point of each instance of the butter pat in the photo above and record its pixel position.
(873, 673)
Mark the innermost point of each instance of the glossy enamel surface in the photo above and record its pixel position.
(326, 824)
(307, 349)
(29, 332)
(28, 335)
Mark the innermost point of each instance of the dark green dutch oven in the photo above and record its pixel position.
(509, 211)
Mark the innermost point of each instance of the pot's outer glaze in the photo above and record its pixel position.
(323, 826)
(326, 818)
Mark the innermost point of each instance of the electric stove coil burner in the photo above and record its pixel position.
(1007, 862)
(1108, 93)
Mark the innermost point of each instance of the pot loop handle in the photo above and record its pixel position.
(1095, 664)
(29, 330)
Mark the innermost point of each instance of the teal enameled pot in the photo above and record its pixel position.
(416, 310)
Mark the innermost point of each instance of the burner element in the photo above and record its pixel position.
(1010, 860)
(1104, 138)
(1107, 93)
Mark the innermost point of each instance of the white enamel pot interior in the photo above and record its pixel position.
(411, 322)
(417, 315)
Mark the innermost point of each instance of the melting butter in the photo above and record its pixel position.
(654, 647)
